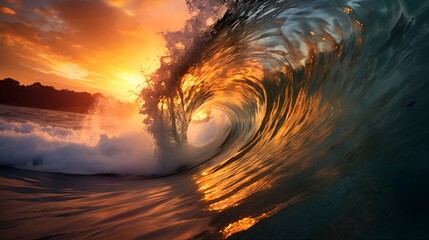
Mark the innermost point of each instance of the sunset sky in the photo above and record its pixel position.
(93, 45)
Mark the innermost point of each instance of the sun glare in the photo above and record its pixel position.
(130, 79)
(71, 47)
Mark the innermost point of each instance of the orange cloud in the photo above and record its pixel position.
(15, 3)
(96, 46)
(8, 10)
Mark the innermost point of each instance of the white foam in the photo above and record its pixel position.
(124, 149)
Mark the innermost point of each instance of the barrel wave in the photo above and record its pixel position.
(286, 119)
(312, 91)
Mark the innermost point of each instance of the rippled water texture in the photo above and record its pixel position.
(295, 119)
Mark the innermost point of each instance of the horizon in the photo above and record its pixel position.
(67, 89)
(104, 46)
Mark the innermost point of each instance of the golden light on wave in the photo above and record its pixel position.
(202, 116)
(248, 222)
(242, 225)
(222, 191)
(216, 193)
(347, 10)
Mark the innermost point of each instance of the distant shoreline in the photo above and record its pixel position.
(47, 97)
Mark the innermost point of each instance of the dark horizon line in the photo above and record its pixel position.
(42, 96)
(58, 89)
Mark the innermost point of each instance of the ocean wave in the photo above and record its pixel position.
(266, 105)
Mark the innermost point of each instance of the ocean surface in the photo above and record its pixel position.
(288, 120)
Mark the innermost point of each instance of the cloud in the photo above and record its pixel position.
(95, 23)
(70, 71)
(15, 3)
(117, 3)
(77, 39)
(7, 11)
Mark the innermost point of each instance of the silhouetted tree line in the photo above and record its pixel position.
(47, 97)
